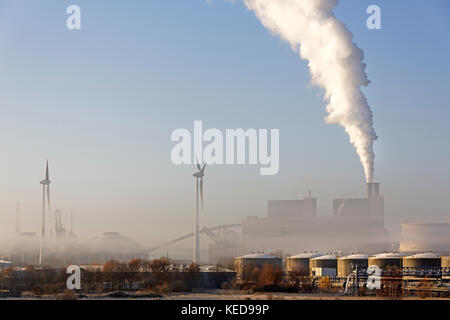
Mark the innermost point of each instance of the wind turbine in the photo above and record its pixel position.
(198, 192)
(45, 187)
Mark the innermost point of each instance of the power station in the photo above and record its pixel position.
(357, 224)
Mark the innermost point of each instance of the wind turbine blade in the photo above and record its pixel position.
(201, 191)
(204, 166)
(198, 163)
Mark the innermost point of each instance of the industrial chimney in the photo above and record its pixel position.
(373, 189)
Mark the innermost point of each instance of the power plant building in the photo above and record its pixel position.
(294, 225)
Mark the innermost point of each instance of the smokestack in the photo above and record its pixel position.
(369, 189)
(373, 189)
(376, 189)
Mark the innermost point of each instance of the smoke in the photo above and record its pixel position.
(335, 62)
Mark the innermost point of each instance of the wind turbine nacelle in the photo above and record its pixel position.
(45, 182)
(198, 175)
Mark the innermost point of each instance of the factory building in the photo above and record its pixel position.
(347, 264)
(245, 265)
(293, 225)
(299, 264)
(323, 266)
(420, 237)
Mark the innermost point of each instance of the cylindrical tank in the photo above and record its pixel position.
(385, 260)
(422, 260)
(299, 264)
(348, 263)
(245, 265)
(421, 265)
(445, 264)
(323, 266)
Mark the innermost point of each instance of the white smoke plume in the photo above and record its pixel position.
(335, 62)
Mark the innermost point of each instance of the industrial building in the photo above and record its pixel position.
(245, 265)
(293, 225)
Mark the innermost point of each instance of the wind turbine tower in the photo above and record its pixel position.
(198, 194)
(45, 191)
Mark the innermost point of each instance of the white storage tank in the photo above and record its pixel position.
(445, 264)
(323, 266)
(386, 260)
(299, 264)
(422, 260)
(347, 264)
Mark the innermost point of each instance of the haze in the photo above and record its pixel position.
(101, 103)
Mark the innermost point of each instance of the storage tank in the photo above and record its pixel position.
(445, 264)
(323, 266)
(385, 260)
(421, 265)
(347, 264)
(244, 265)
(422, 260)
(299, 264)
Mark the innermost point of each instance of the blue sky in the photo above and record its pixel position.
(101, 104)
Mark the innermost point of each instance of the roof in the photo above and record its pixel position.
(360, 256)
(259, 256)
(326, 257)
(428, 255)
(387, 255)
(306, 255)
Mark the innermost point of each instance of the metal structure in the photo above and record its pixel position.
(168, 243)
(198, 194)
(45, 191)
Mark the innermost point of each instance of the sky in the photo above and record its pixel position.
(101, 103)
